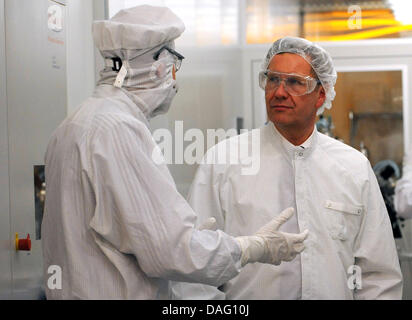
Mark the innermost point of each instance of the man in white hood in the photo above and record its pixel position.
(114, 221)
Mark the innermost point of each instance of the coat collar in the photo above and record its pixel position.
(132, 103)
(291, 151)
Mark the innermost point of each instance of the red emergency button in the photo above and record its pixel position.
(23, 244)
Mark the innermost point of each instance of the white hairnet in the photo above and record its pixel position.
(134, 35)
(317, 57)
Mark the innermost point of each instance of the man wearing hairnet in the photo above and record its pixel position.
(350, 251)
(403, 189)
(114, 222)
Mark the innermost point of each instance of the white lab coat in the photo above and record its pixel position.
(336, 196)
(114, 222)
(403, 189)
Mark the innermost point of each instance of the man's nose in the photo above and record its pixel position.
(280, 92)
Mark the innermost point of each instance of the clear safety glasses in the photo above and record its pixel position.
(177, 56)
(294, 84)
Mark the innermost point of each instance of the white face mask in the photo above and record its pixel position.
(157, 100)
(166, 103)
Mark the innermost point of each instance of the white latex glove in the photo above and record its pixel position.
(268, 245)
(209, 224)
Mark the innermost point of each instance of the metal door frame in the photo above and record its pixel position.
(5, 240)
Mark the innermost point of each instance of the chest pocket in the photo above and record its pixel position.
(341, 218)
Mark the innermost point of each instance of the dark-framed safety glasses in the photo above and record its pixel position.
(178, 57)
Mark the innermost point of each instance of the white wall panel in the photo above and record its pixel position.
(47, 68)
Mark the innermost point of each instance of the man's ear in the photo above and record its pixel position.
(321, 97)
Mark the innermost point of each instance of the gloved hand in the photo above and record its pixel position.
(268, 245)
(209, 224)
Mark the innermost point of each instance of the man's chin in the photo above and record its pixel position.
(279, 118)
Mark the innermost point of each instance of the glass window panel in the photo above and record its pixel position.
(327, 20)
(368, 110)
(208, 22)
(268, 20)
